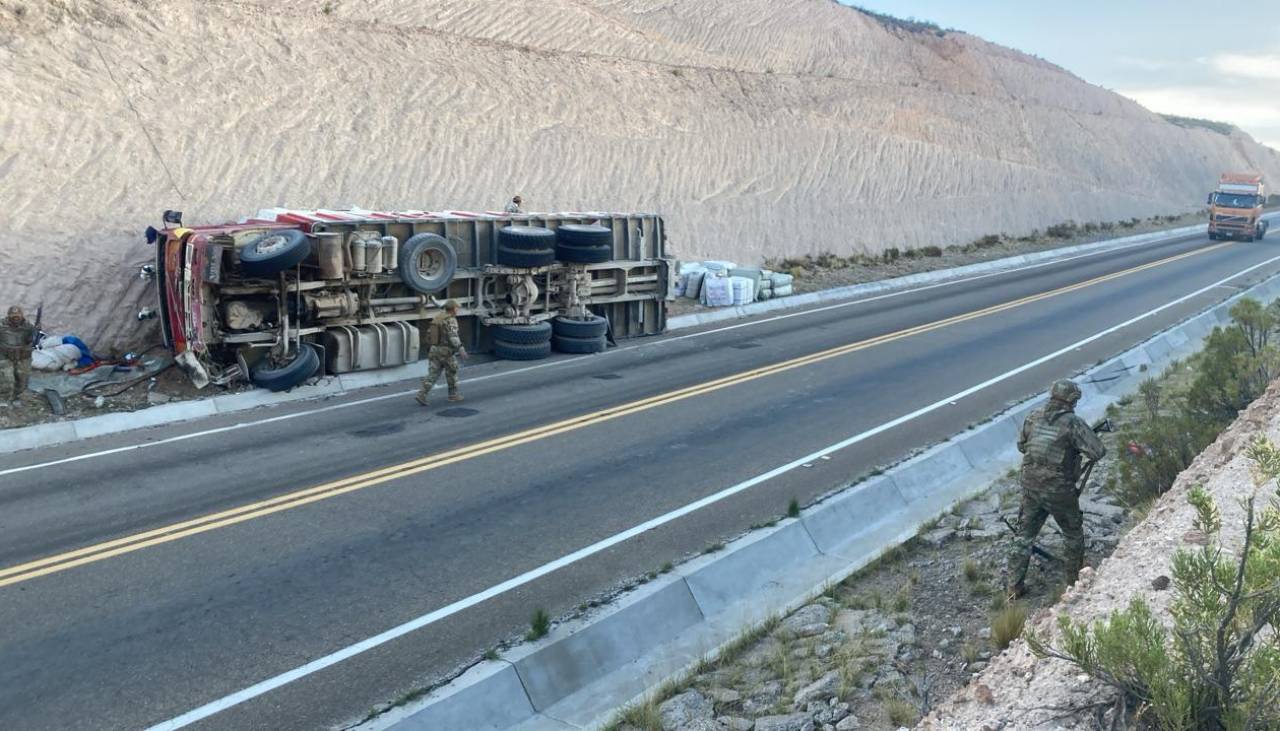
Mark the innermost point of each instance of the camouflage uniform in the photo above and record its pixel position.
(514, 205)
(442, 357)
(1052, 440)
(16, 343)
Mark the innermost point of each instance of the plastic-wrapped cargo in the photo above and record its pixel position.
(717, 291)
(783, 291)
(715, 265)
(781, 280)
(755, 274)
(690, 266)
(693, 283)
(744, 290)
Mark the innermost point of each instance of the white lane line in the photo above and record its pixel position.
(477, 379)
(436, 615)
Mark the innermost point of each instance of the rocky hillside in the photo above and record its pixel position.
(757, 127)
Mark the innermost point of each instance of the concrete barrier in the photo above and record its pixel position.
(577, 677)
(575, 656)
(842, 517)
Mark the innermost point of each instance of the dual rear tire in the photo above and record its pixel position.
(580, 336)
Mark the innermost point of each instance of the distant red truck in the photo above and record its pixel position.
(1235, 208)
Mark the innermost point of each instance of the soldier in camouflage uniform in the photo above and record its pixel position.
(445, 349)
(17, 340)
(1052, 441)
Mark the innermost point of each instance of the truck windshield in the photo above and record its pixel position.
(1235, 200)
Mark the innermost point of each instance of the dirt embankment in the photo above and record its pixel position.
(760, 129)
(1018, 691)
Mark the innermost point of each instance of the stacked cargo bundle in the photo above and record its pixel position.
(724, 284)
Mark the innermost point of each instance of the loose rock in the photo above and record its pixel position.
(789, 722)
(685, 710)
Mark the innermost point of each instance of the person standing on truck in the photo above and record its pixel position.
(1052, 440)
(442, 357)
(514, 205)
(17, 341)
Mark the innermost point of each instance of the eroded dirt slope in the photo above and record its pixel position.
(757, 127)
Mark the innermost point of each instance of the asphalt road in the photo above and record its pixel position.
(123, 605)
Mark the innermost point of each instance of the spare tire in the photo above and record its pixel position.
(583, 254)
(579, 345)
(539, 332)
(304, 365)
(593, 327)
(584, 234)
(526, 238)
(525, 259)
(521, 351)
(274, 252)
(427, 263)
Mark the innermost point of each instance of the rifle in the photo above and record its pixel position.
(35, 334)
(1100, 427)
(1035, 548)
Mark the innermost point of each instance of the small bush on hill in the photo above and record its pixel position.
(1237, 363)
(1062, 230)
(1218, 669)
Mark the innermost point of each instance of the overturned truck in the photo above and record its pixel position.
(284, 295)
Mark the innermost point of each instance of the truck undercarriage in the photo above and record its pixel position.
(280, 296)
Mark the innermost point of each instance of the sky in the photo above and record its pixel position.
(1212, 60)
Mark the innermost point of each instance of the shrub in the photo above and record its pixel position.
(1236, 365)
(990, 240)
(1007, 624)
(891, 254)
(901, 712)
(1218, 668)
(1062, 230)
(539, 625)
(931, 251)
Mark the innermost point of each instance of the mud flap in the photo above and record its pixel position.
(191, 365)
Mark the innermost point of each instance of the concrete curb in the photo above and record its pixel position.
(44, 435)
(883, 286)
(578, 676)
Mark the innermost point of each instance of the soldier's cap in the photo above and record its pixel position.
(1065, 390)
(15, 311)
(451, 306)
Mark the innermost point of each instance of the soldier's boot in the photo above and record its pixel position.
(455, 396)
(421, 397)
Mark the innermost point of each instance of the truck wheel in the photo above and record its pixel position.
(539, 332)
(525, 259)
(274, 252)
(583, 254)
(593, 327)
(304, 365)
(579, 345)
(1213, 236)
(427, 263)
(521, 351)
(584, 235)
(526, 238)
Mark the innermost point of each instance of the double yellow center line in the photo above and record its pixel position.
(165, 534)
